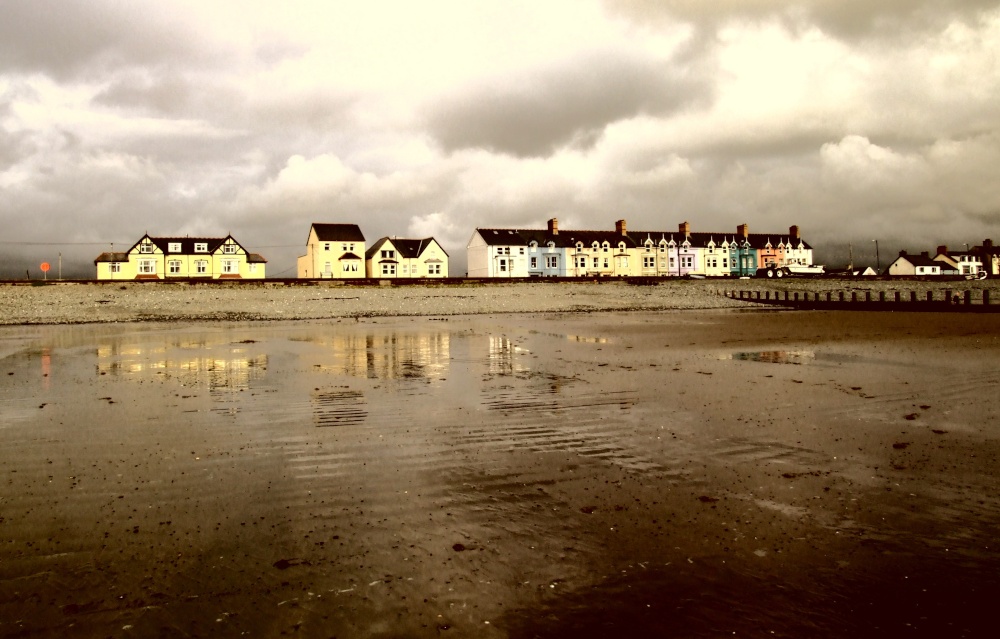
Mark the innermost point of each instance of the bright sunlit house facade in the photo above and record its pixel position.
(550, 252)
(165, 258)
(397, 258)
(333, 251)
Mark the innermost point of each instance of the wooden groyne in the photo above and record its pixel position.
(901, 301)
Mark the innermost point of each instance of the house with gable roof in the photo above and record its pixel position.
(333, 251)
(968, 263)
(398, 258)
(165, 258)
(907, 264)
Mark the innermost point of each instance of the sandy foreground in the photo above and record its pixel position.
(691, 473)
(73, 303)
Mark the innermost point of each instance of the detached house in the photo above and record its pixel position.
(404, 258)
(968, 264)
(922, 264)
(333, 251)
(164, 258)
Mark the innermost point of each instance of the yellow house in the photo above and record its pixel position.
(164, 258)
(333, 251)
(402, 259)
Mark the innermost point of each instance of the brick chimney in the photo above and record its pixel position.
(942, 249)
(793, 231)
(684, 228)
(743, 230)
(620, 227)
(925, 254)
(553, 226)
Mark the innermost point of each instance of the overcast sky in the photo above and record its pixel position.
(856, 120)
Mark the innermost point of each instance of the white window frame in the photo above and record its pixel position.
(174, 247)
(201, 247)
(174, 267)
(551, 261)
(230, 266)
(147, 267)
(201, 266)
(115, 267)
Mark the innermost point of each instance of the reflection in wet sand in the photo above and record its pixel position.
(486, 478)
(776, 357)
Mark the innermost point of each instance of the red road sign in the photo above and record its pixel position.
(45, 267)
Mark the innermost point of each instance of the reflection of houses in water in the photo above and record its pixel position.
(502, 358)
(220, 368)
(388, 355)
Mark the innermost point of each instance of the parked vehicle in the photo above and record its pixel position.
(792, 270)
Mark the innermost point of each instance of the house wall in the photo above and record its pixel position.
(901, 266)
(477, 254)
(320, 253)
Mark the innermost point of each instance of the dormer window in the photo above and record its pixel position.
(174, 247)
(201, 247)
(606, 246)
(551, 244)
(595, 246)
(229, 249)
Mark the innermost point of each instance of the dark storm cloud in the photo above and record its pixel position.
(565, 106)
(68, 38)
(848, 19)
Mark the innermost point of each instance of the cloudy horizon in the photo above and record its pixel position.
(855, 121)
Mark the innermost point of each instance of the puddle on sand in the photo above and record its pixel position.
(773, 357)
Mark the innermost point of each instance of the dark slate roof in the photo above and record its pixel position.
(569, 238)
(338, 232)
(920, 260)
(407, 248)
(564, 238)
(348, 256)
(187, 243)
(112, 257)
(757, 240)
(255, 258)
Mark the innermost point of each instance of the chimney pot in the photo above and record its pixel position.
(553, 226)
(684, 228)
(620, 227)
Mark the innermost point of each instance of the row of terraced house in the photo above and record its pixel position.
(551, 252)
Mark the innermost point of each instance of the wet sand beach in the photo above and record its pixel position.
(689, 473)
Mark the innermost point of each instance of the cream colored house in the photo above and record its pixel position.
(165, 258)
(397, 258)
(333, 251)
